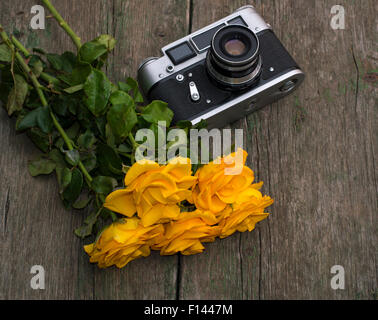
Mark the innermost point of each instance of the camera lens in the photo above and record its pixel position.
(235, 47)
(233, 59)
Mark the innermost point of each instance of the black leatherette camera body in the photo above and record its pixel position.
(217, 104)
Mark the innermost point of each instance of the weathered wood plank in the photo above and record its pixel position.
(310, 149)
(38, 231)
(315, 151)
(35, 227)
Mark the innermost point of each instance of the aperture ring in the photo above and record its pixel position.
(232, 68)
(234, 81)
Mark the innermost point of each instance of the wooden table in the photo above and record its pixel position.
(316, 152)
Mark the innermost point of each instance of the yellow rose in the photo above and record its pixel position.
(186, 234)
(123, 242)
(153, 191)
(245, 212)
(216, 187)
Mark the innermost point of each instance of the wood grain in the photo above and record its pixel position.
(35, 227)
(315, 150)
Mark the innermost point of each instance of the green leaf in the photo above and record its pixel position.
(86, 229)
(73, 131)
(183, 124)
(66, 177)
(106, 40)
(157, 111)
(56, 156)
(72, 157)
(63, 103)
(97, 88)
(64, 62)
(87, 139)
(201, 125)
(90, 162)
(36, 65)
(82, 203)
(121, 116)
(100, 125)
(44, 121)
(74, 89)
(131, 86)
(109, 162)
(79, 74)
(124, 149)
(17, 95)
(90, 51)
(6, 83)
(41, 166)
(38, 117)
(73, 190)
(55, 60)
(39, 138)
(102, 184)
(110, 137)
(69, 61)
(33, 101)
(59, 143)
(5, 53)
(120, 97)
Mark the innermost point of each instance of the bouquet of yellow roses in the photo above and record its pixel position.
(155, 218)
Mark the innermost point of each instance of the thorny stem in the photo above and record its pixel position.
(42, 97)
(135, 146)
(20, 47)
(50, 79)
(26, 53)
(63, 23)
(69, 145)
(133, 142)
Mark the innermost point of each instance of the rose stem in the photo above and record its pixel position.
(63, 23)
(41, 95)
(26, 53)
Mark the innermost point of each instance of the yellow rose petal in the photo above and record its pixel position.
(89, 248)
(139, 168)
(160, 213)
(121, 201)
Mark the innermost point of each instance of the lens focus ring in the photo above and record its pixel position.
(235, 82)
(233, 58)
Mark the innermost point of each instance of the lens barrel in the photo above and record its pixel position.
(233, 59)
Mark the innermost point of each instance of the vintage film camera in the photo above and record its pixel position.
(221, 72)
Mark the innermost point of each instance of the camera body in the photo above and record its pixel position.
(222, 72)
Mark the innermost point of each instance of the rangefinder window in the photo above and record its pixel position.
(181, 53)
(203, 40)
(237, 20)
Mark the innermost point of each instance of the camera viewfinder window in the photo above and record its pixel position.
(181, 53)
